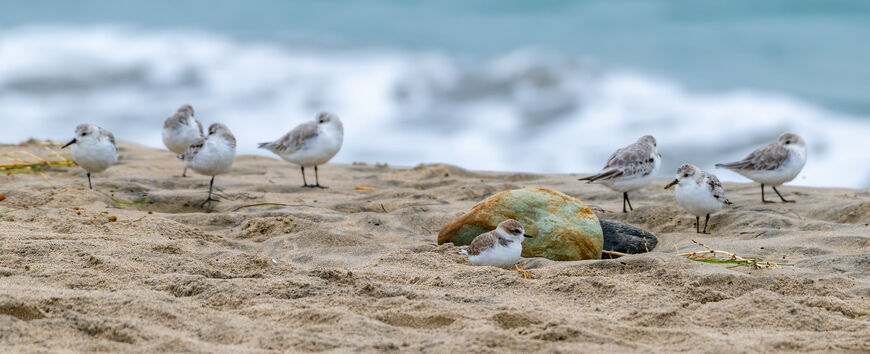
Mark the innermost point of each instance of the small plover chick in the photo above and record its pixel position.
(630, 168)
(501, 247)
(212, 155)
(699, 192)
(310, 144)
(180, 131)
(774, 164)
(93, 149)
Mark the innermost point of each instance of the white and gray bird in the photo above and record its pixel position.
(501, 247)
(181, 130)
(630, 168)
(93, 148)
(212, 155)
(699, 193)
(773, 164)
(310, 144)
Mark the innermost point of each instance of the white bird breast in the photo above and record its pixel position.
(499, 256)
(94, 155)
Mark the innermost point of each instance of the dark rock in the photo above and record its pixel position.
(625, 238)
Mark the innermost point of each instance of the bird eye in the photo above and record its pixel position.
(787, 142)
(685, 175)
(321, 121)
(516, 231)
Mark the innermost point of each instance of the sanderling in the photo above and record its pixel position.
(93, 149)
(630, 168)
(310, 144)
(212, 155)
(774, 164)
(699, 192)
(180, 131)
(501, 247)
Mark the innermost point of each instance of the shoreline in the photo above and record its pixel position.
(348, 269)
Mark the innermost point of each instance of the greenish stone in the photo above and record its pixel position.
(564, 228)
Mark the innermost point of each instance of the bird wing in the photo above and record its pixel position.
(716, 188)
(483, 242)
(192, 150)
(110, 135)
(293, 141)
(768, 158)
(634, 160)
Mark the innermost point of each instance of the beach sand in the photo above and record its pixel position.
(342, 269)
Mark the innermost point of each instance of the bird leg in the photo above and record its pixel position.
(526, 274)
(209, 199)
(89, 181)
(706, 221)
(697, 224)
(780, 196)
(762, 196)
(624, 200)
(184, 173)
(304, 182)
(316, 179)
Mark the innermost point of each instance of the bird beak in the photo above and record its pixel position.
(675, 181)
(527, 236)
(69, 143)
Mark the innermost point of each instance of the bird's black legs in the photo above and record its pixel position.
(762, 196)
(626, 200)
(304, 182)
(184, 173)
(706, 221)
(89, 181)
(697, 224)
(316, 179)
(209, 199)
(780, 196)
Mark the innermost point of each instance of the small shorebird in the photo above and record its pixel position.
(180, 131)
(630, 168)
(311, 143)
(699, 193)
(93, 149)
(774, 164)
(501, 247)
(212, 155)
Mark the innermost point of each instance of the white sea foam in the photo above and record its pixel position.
(527, 111)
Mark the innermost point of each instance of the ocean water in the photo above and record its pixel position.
(550, 86)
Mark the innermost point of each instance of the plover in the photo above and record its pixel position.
(501, 247)
(180, 131)
(212, 155)
(774, 164)
(93, 149)
(630, 168)
(699, 193)
(310, 144)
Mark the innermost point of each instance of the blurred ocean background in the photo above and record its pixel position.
(537, 86)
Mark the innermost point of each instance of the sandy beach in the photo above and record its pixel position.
(357, 269)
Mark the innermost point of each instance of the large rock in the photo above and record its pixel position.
(564, 228)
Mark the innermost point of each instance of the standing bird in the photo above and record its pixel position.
(310, 144)
(699, 192)
(774, 164)
(501, 247)
(630, 168)
(93, 149)
(180, 131)
(212, 155)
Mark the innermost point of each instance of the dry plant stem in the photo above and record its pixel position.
(711, 254)
(614, 253)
